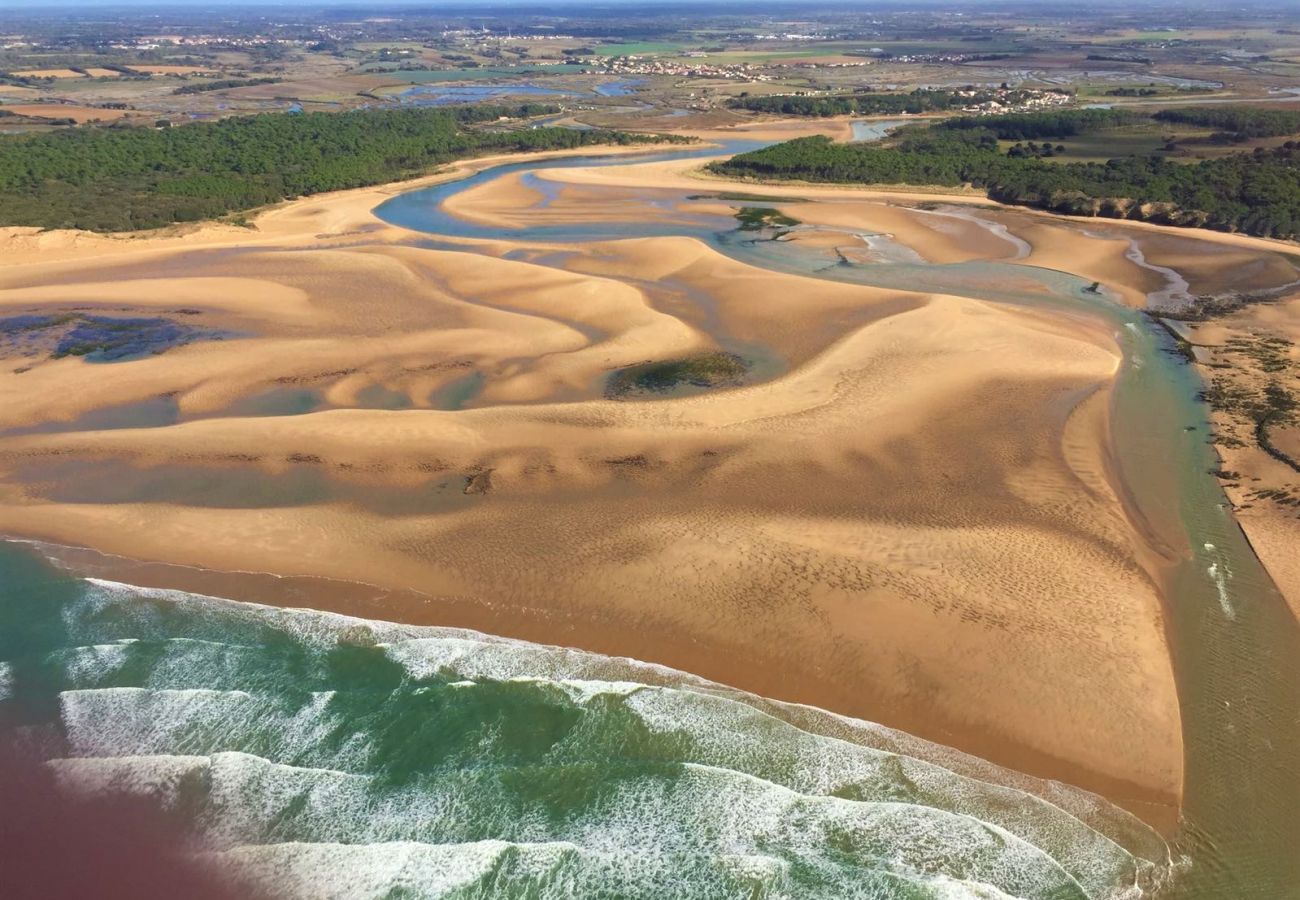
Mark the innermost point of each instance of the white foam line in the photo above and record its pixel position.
(1220, 578)
(365, 862)
(1005, 836)
(1176, 290)
(904, 737)
(1022, 247)
(889, 248)
(682, 680)
(679, 680)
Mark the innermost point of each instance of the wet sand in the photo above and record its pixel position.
(911, 518)
(1246, 351)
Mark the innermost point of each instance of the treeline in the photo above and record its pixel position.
(200, 87)
(863, 104)
(1103, 57)
(1256, 193)
(1238, 123)
(118, 179)
(1057, 123)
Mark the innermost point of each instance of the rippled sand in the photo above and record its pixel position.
(910, 518)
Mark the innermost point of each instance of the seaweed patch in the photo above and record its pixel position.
(96, 338)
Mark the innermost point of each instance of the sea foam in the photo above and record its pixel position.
(314, 755)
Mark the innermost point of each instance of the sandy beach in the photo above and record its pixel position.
(910, 514)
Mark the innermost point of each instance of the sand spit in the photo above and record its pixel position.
(906, 514)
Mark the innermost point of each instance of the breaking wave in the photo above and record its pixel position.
(317, 755)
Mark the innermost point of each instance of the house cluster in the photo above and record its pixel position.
(950, 58)
(169, 41)
(1013, 101)
(789, 36)
(648, 65)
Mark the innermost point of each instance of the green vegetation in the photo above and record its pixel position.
(1035, 150)
(1054, 124)
(638, 48)
(117, 179)
(200, 87)
(1236, 123)
(1257, 193)
(756, 218)
(745, 197)
(709, 370)
(862, 104)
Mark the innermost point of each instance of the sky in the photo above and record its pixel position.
(452, 6)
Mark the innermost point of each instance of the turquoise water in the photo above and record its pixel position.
(315, 755)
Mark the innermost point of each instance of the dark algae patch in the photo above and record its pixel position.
(95, 338)
(757, 218)
(705, 372)
(1254, 405)
(744, 197)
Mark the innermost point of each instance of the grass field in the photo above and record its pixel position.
(639, 48)
(174, 70)
(49, 73)
(79, 114)
(1146, 140)
(1104, 145)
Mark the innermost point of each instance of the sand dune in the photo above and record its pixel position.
(907, 512)
(810, 537)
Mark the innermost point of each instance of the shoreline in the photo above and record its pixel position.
(284, 220)
(322, 218)
(1284, 571)
(396, 605)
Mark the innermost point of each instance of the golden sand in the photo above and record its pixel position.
(911, 518)
(1265, 491)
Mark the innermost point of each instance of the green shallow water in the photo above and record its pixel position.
(312, 755)
(1235, 643)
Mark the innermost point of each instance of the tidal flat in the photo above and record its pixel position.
(926, 517)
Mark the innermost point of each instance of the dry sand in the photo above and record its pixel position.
(911, 518)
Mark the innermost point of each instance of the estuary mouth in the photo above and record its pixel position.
(781, 451)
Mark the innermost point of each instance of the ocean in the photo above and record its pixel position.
(308, 755)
